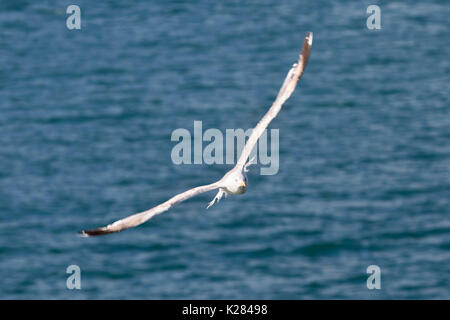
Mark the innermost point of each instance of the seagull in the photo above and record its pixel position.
(234, 182)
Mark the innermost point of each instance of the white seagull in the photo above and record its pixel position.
(234, 181)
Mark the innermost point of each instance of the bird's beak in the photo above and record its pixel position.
(243, 184)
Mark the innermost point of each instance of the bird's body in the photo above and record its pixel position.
(235, 181)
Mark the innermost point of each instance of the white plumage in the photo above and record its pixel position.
(234, 181)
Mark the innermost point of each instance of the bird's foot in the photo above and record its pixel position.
(217, 198)
(249, 163)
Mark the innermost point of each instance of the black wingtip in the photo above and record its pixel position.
(93, 232)
(309, 37)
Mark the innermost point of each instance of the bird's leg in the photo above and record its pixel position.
(249, 163)
(217, 198)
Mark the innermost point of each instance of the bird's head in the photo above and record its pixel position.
(236, 183)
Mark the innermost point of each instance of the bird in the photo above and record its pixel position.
(235, 181)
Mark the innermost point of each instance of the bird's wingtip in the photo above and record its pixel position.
(309, 35)
(93, 232)
(96, 232)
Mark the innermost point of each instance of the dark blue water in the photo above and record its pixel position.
(86, 118)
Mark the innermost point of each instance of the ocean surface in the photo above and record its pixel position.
(86, 118)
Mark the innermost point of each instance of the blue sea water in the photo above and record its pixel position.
(86, 118)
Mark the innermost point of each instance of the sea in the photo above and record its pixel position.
(358, 208)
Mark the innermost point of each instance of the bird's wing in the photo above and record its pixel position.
(141, 217)
(285, 92)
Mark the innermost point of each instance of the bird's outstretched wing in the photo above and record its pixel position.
(139, 218)
(285, 92)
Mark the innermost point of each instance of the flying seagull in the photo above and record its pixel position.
(234, 181)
